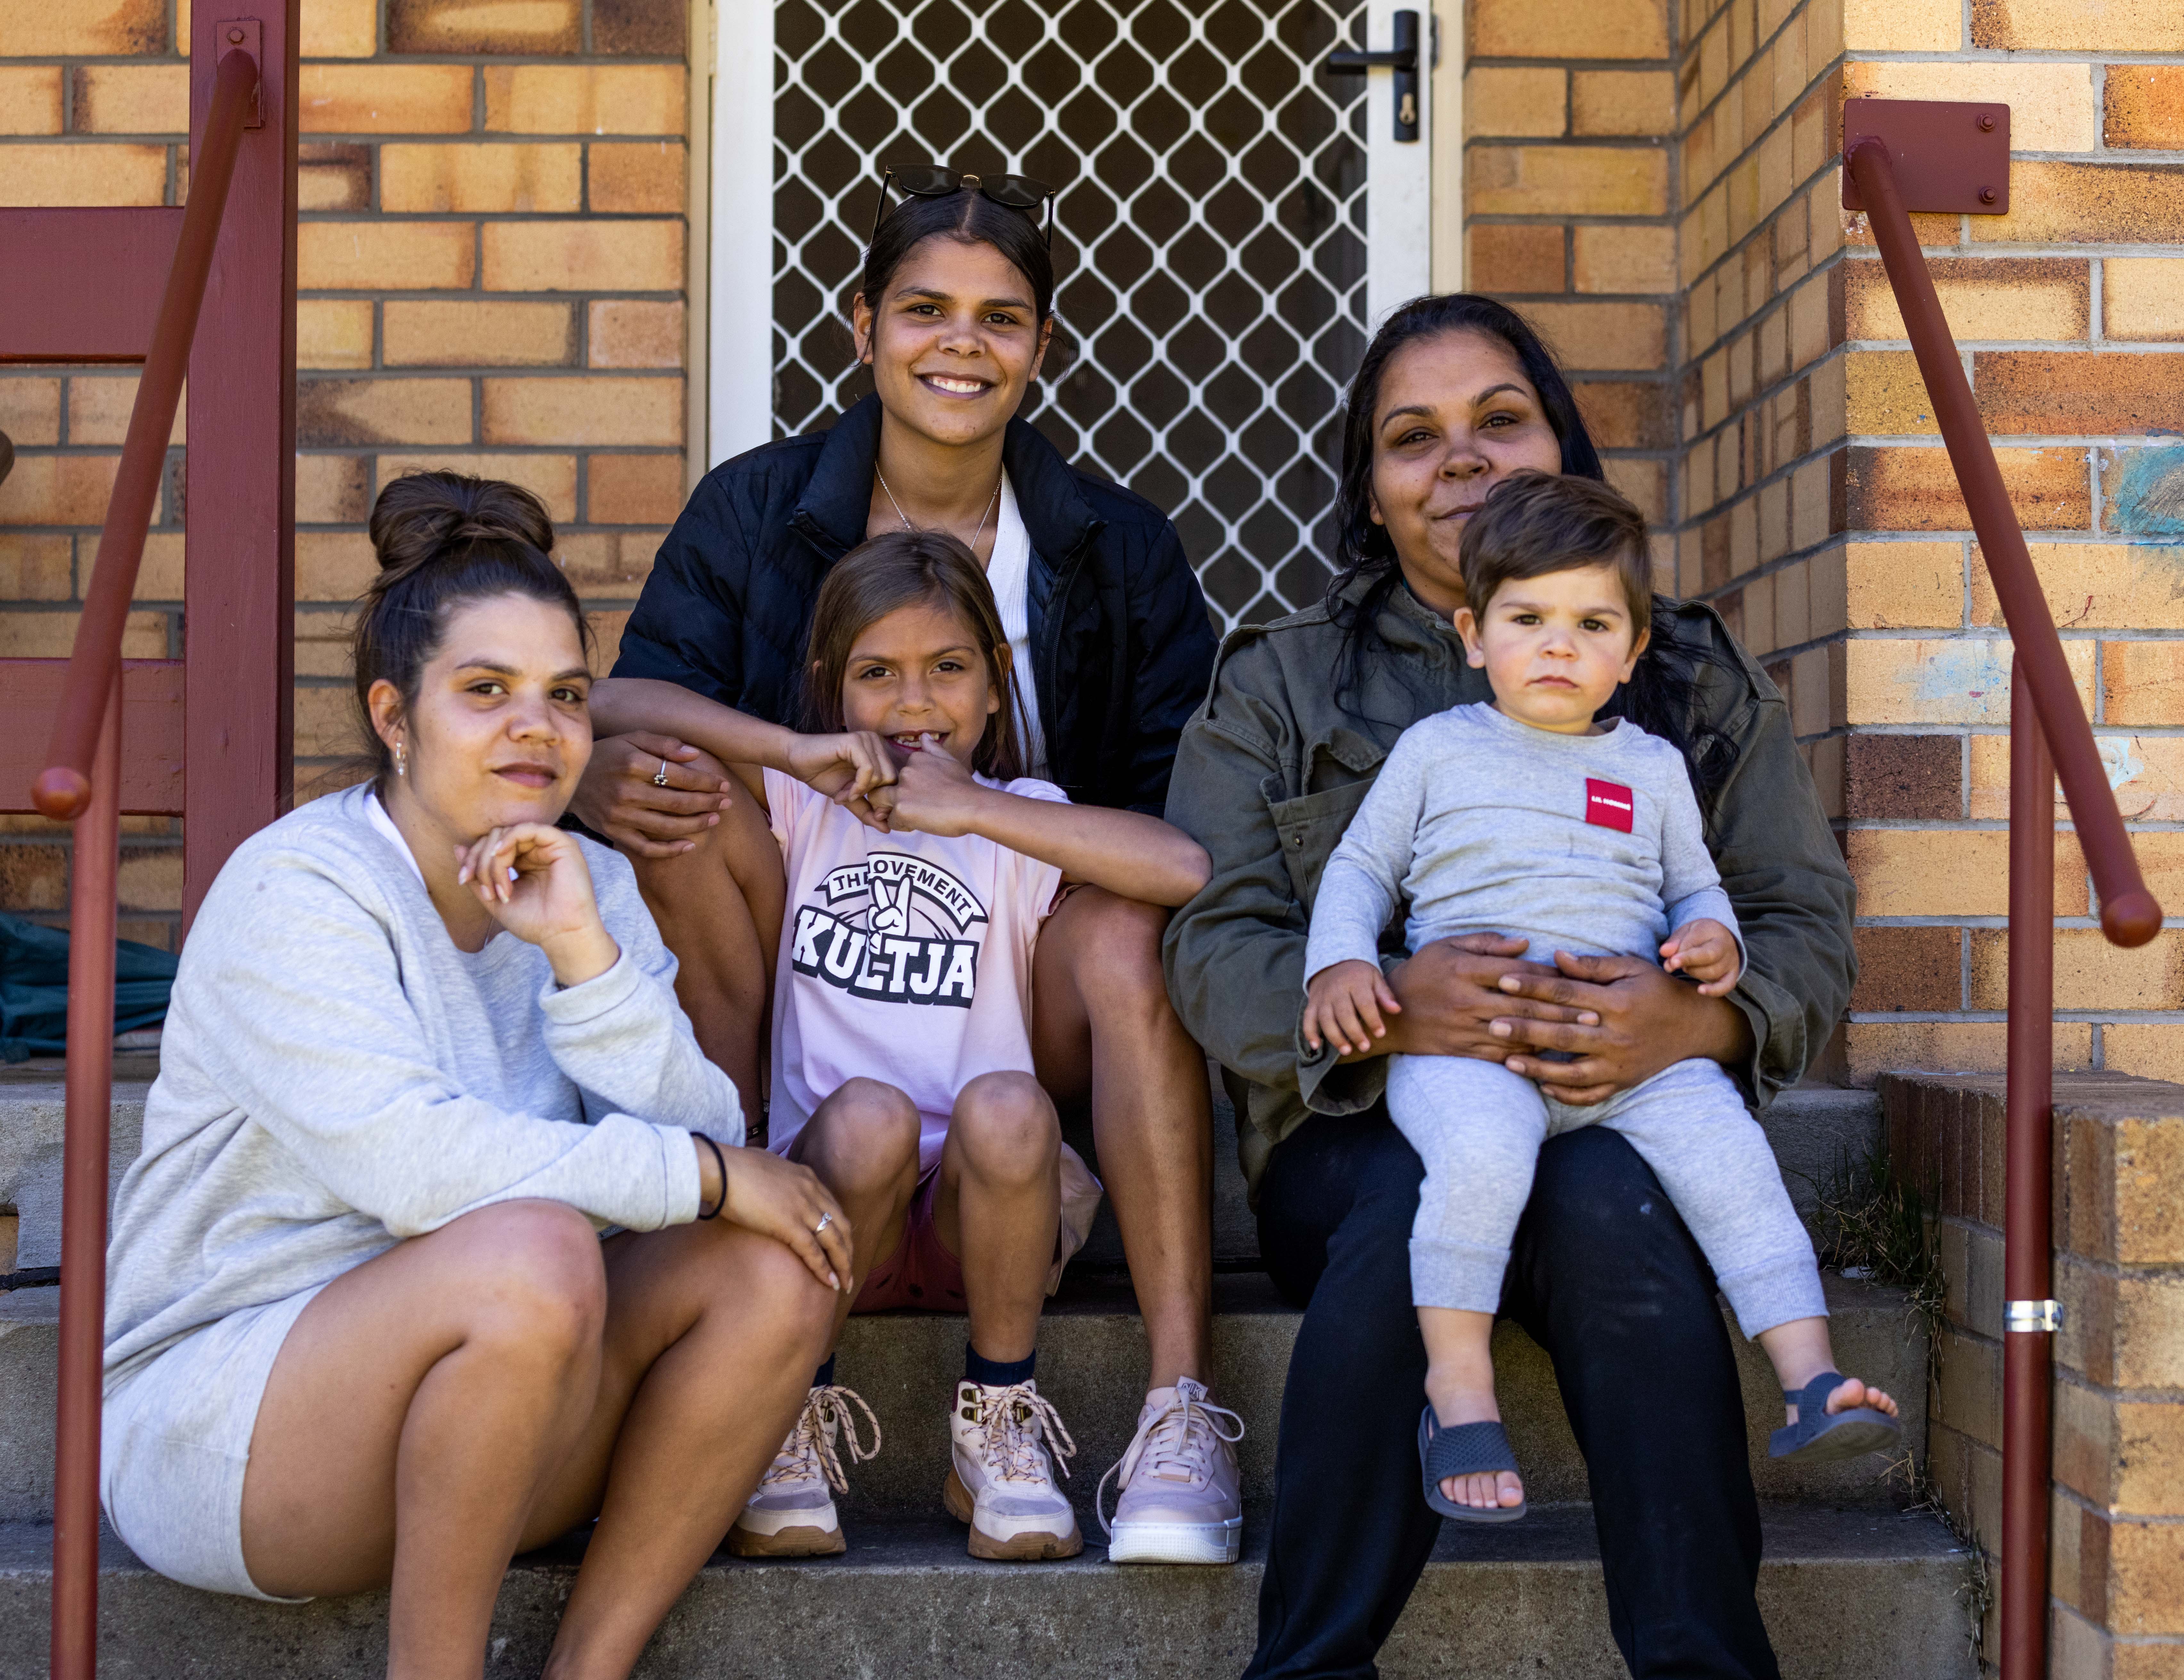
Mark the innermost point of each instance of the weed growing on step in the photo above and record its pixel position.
(1874, 1225)
(1923, 1498)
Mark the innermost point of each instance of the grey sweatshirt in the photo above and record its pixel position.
(335, 1075)
(1478, 823)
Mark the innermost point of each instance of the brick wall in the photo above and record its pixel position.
(1568, 188)
(1818, 510)
(490, 269)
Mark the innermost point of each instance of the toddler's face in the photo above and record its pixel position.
(1555, 647)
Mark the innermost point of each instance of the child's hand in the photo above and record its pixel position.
(933, 792)
(844, 767)
(1706, 951)
(1345, 1003)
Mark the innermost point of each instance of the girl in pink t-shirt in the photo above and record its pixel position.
(919, 869)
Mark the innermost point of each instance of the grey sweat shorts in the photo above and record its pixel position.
(176, 1440)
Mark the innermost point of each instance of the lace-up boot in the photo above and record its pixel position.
(1179, 1499)
(792, 1515)
(1000, 1477)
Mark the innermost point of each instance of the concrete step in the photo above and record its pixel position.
(1863, 1592)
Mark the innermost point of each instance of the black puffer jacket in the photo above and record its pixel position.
(1122, 644)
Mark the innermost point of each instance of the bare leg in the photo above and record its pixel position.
(719, 907)
(862, 1143)
(1000, 1207)
(1801, 1351)
(1460, 1384)
(1103, 1029)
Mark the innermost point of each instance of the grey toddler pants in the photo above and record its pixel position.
(1478, 1128)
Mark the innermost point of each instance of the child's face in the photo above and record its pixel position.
(1555, 647)
(920, 671)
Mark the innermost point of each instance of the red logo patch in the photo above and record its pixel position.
(1608, 804)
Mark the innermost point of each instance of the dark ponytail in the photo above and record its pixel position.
(444, 539)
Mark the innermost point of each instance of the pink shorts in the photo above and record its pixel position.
(921, 1273)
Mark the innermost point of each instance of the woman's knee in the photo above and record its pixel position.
(863, 1139)
(1006, 1128)
(531, 1277)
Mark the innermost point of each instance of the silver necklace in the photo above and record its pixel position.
(905, 517)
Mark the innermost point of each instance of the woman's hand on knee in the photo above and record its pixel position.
(620, 794)
(1449, 996)
(787, 1202)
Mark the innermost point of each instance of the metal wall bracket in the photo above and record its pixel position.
(245, 35)
(2031, 1316)
(1949, 157)
(1402, 58)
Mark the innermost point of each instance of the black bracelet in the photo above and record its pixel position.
(720, 1161)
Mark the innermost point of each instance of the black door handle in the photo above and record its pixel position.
(1402, 58)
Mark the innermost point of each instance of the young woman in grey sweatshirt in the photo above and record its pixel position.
(424, 1054)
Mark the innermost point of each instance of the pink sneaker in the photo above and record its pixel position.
(792, 1513)
(1179, 1499)
(1000, 1479)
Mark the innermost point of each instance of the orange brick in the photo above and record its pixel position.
(1625, 258)
(112, 173)
(2090, 972)
(484, 26)
(1516, 257)
(2097, 586)
(333, 332)
(34, 877)
(646, 177)
(323, 639)
(2142, 683)
(1949, 871)
(2153, 1051)
(583, 256)
(1906, 488)
(1885, 395)
(2051, 107)
(607, 562)
(2142, 492)
(2068, 25)
(333, 177)
(447, 333)
(638, 28)
(2035, 299)
(331, 412)
(1958, 679)
(1522, 102)
(132, 99)
(386, 256)
(42, 29)
(31, 410)
(1623, 102)
(1872, 1048)
(627, 332)
(36, 566)
(1568, 181)
(340, 29)
(606, 638)
(333, 490)
(2146, 772)
(99, 408)
(480, 177)
(551, 477)
(1901, 26)
(587, 409)
(326, 724)
(2142, 297)
(333, 566)
(385, 98)
(1604, 337)
(30, 99)
(58, 490)
(52, 635)
(1904, 586)
(633, 490)
(2064, 204)
(2051, 392)
(150, 880)
(158, 574)
(1613, 28)
(2144, 107)
(1624, 414)
(588, 99)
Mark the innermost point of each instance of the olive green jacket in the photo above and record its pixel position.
(1271, 770)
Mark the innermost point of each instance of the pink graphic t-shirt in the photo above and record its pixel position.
(905, 957)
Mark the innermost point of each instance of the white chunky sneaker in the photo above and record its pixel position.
(1180, 1501)
(792, 1513)
(1001, 1480)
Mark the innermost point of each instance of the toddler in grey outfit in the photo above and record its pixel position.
(1532, 819)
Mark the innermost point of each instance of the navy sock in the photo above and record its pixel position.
(824, 1377)
(996, 1373)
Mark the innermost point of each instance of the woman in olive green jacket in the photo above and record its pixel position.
(1454, 393)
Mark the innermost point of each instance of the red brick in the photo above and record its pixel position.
(633, 490)
(586, 408)
(41, 29)
(477, 26)
(330, 412)
(1915, 489)
(650, 29)
(385, 98)
(630, 332)
(644, 177)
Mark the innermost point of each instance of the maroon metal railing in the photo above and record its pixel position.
(2049, 735)
(82, 784)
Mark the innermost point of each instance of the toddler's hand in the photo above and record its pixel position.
(1706, 951)
(1344, 1002)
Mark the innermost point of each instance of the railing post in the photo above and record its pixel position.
(2028, 1340)
(96, 857)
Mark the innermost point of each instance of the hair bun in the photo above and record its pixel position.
(420, 517)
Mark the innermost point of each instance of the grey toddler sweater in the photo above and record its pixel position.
(335, 1075)
(1478, 823)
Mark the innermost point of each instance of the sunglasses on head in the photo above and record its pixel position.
(931, 181)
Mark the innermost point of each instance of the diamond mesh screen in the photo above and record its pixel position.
(1210, 239)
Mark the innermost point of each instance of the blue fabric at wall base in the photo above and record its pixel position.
(33, 988)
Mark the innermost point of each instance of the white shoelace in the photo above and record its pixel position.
(1180, 1434)
(810, 1444)
(1015, 1420)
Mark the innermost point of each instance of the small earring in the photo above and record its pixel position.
(401, 761)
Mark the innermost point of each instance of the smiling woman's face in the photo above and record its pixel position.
(955, 341)
(500, 729)
(1456, 416)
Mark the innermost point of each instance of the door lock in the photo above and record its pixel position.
(1402, 58)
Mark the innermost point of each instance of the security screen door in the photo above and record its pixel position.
(1219, 258)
